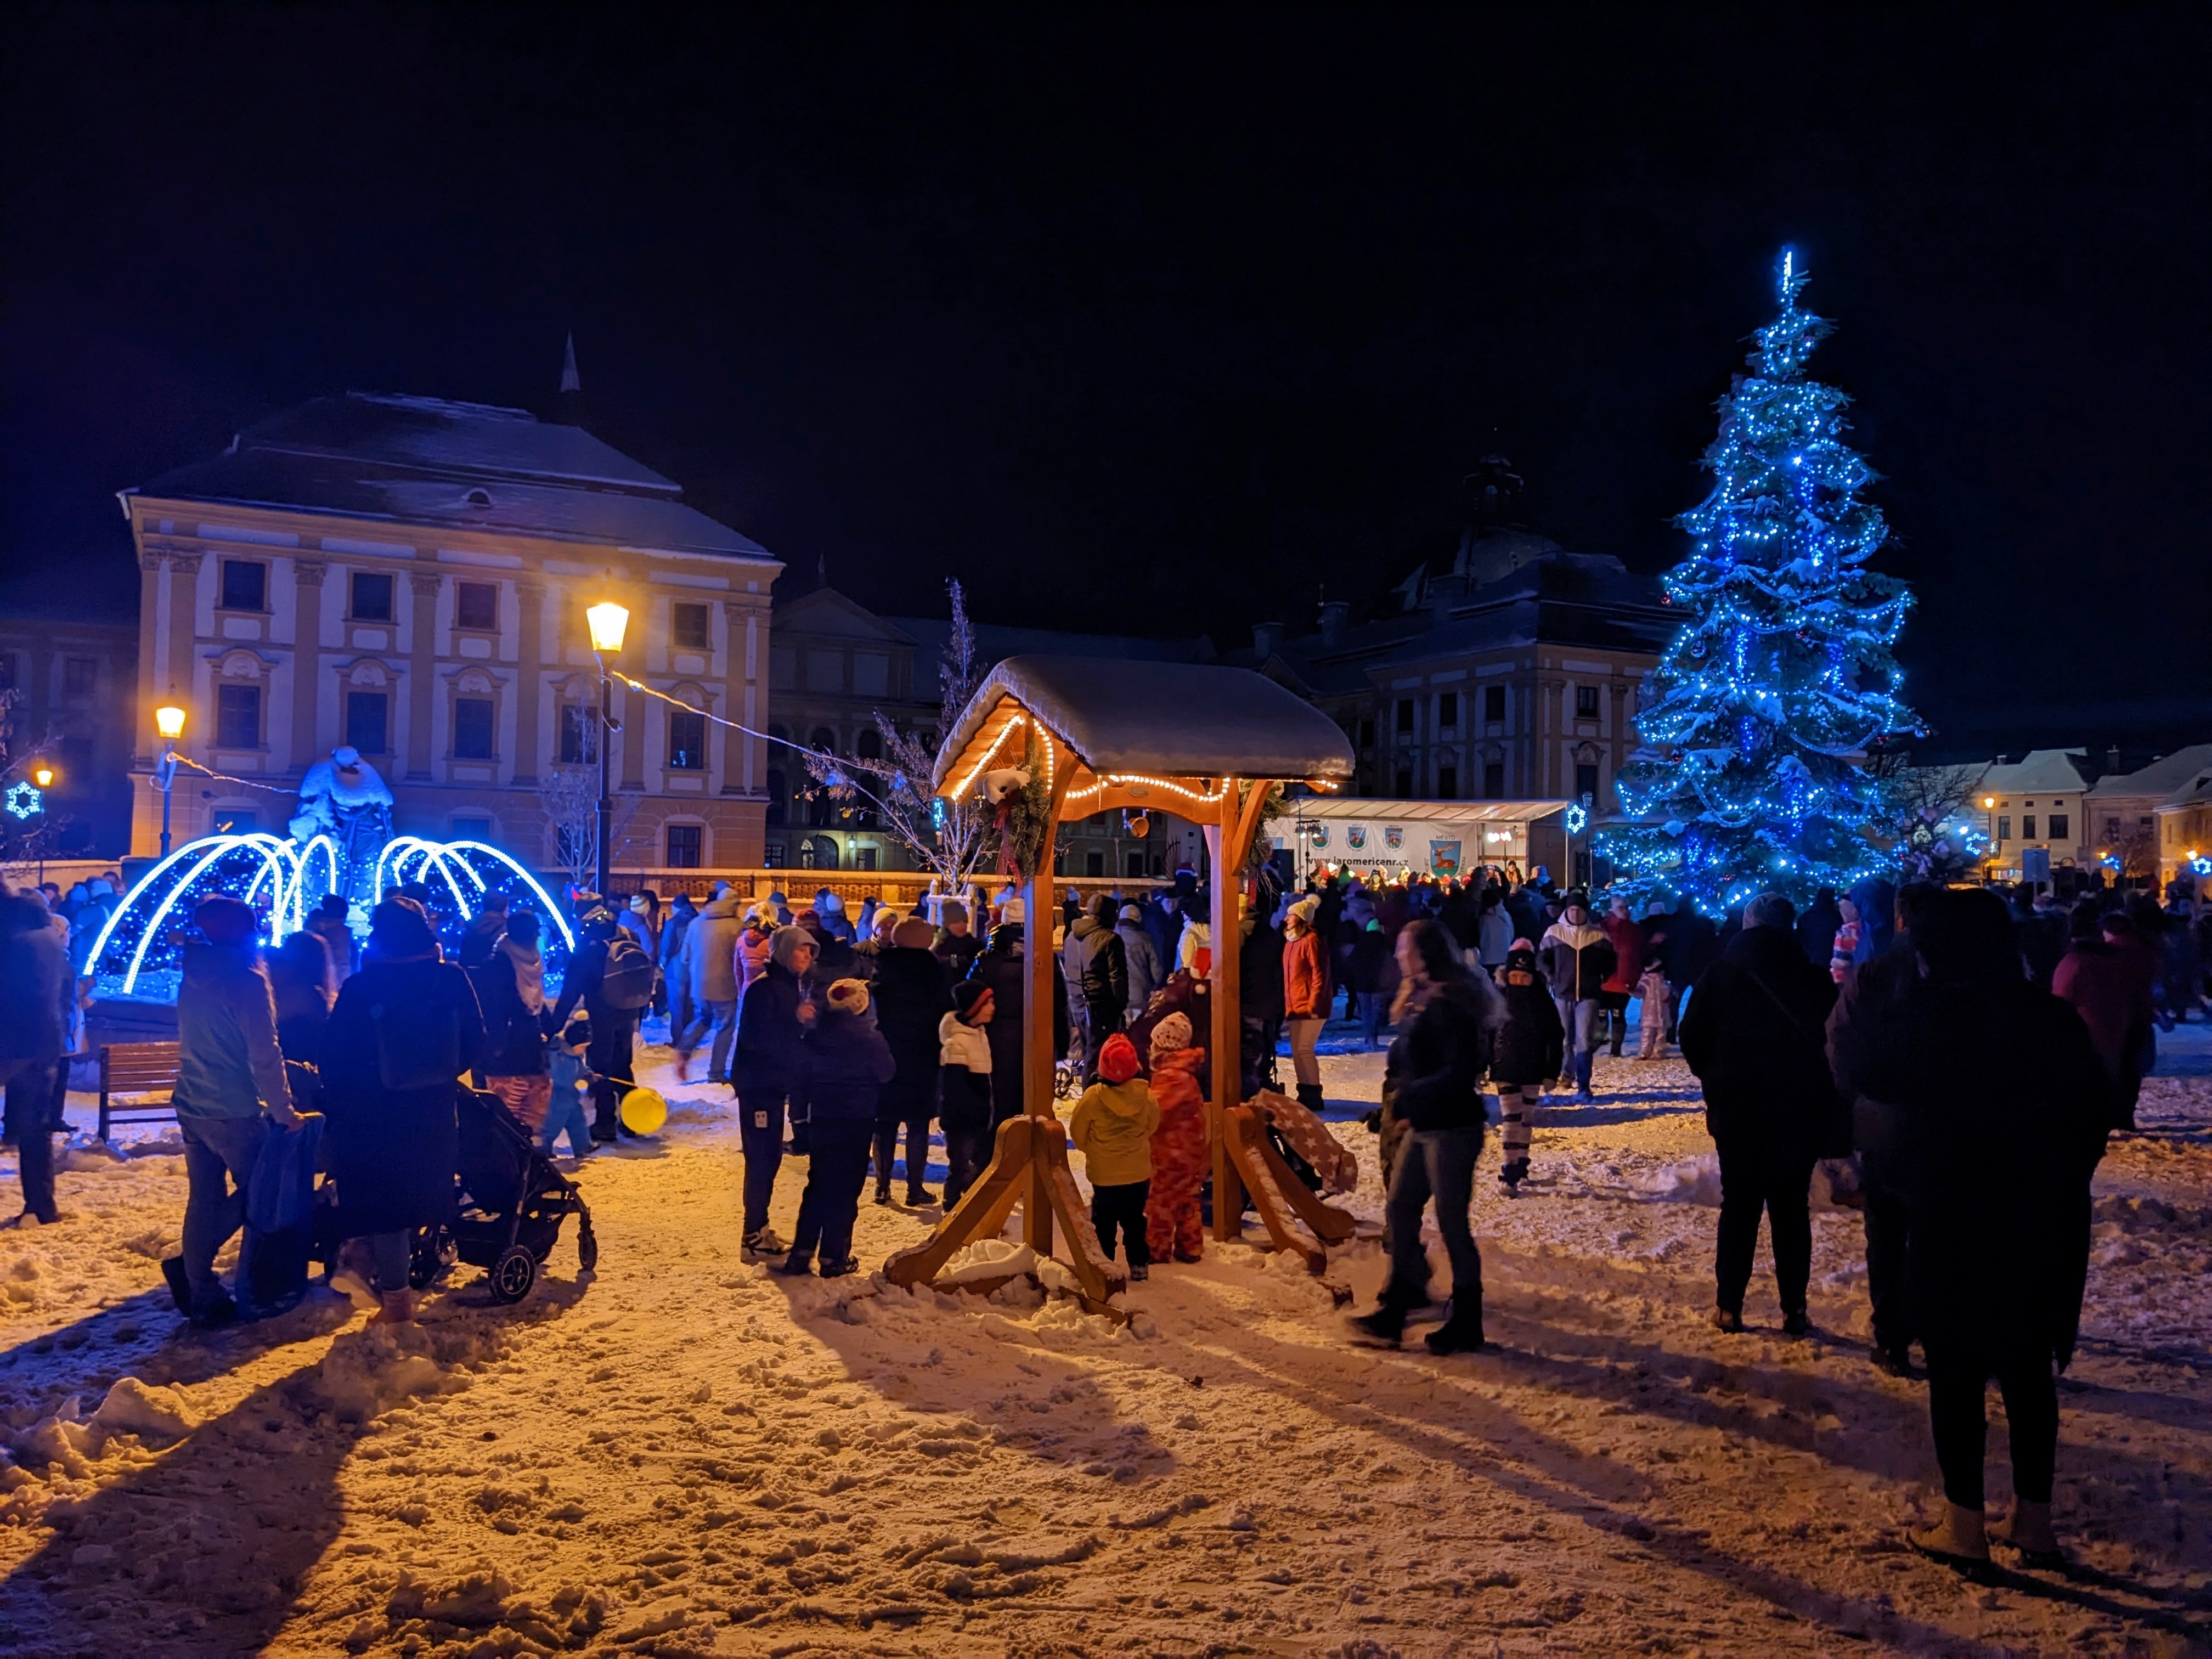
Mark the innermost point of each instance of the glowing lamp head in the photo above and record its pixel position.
(609, 622)
(1988, 800)
(43, 776)
(169, 721)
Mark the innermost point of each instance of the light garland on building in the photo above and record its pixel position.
(1758, 720)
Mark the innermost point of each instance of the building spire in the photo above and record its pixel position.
(571, 380)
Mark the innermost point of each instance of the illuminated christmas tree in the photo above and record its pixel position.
(1757, 723)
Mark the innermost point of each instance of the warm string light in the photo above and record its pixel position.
(1761, 713)
(1107, 780)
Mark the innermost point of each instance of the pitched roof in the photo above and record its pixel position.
(1159, 719)
(2162, 777)
(451, 465)
(2050, 771)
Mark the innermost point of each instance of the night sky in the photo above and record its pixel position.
(1158, 321)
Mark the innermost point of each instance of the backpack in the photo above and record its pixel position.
(627, 981)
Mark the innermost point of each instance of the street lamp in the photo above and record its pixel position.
(608, 622)
(43, 775)
(169, 721)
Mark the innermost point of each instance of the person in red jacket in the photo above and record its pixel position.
(1628, 939)
(2109, 987)
(1172, 1224)
(1305, 997)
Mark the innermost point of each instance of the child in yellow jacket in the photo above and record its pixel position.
(1113, 1128)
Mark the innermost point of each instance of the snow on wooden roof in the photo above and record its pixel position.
(1126, 723)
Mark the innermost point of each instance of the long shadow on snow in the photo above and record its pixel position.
(1601, 1494)
(213, 1540)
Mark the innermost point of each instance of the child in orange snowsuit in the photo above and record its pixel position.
(1179, 1145)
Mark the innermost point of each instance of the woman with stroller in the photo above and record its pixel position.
(510, 989)
(406, 1027)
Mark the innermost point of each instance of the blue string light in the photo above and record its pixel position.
(1757, 723)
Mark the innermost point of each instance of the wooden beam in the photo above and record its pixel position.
(1246, 1142)
(1227, 1059)
(1038, 1055)
(981, 1211)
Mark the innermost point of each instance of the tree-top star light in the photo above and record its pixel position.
(1757, 722)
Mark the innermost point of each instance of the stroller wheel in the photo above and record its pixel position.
(587, 1249)
(513, 1274)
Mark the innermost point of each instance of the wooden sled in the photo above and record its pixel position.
(1029, 1162)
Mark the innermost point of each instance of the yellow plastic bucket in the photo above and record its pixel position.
(644, 1110)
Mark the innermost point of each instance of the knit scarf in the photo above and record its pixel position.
(529, 973)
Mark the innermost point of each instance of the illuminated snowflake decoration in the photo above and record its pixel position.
(1578, 820)
(26, 800)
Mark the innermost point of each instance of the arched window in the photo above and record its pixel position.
(825, 739)
(869, 745)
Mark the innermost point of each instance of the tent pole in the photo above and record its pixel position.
(1227, 1059)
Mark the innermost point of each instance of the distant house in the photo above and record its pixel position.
(409, 576)
(1510, 668)
(836, 663)
(2123, 813)
(2036, 801)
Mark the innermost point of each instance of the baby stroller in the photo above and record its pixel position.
(509, 1206)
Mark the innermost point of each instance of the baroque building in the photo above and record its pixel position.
(409, 576)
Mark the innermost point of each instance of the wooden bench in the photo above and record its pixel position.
(136, 1069)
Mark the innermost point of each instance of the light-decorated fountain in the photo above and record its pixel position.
(341, 843)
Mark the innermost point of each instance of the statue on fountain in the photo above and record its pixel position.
(344, 797)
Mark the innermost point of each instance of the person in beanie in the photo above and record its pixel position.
(614, 1028)
(706, 965)
(1578, 958)
(767, 1072)
(1173, 1226)
(1305, 997)
(911, 999)
(848, 1062)
(964, 1059)
(956, 944)
(1754, 1033)
(1525, 1055)
(1113, 1128)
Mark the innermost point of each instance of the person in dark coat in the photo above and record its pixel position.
(1529, 1046)
(956, 944)
(37, 993)
(613, 1030)
(1097, 965)
(911, 996)
(1446, 1019)
(510, 987)
(847, 1063)
(300, 979)
(1753, 1036)
(1816, 928)
(1867, 994)
(1259, 996)
(2005, 1108)
(2104, 987)
(1004, 966)
(1688, 950)
(768, 1071)
(405, 1028)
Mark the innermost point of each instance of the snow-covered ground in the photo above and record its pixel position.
(687, 1455)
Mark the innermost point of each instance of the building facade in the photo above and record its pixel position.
(2123, 824)
(836, 663)
(409, 576)
(73, 687)
(2035, 804)
(1508, 670)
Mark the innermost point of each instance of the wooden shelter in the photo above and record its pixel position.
(1210, 745)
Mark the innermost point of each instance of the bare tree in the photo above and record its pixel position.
(1916, 801)
(570, 798)
(946, 837)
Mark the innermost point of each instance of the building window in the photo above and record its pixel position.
(1586, 781)
(245, 585)
(2059, 825)
(2112, 829)
(684, 846)
(1405, 717)
(872, 674)
(1404, 781)
(864, 858)
(578, 721)
(1493, 702)
(778, 796)
(238, 715)
(2005, 830)
(687, 740)
(1586, 703)
(825, 739)
(372, 596)
(1367, 733)
(1447, 783)
(2027, 826)
(1094, 863)
(476, 607)
(782, 668)
(869, 745)
(772, 854)
(826, 671)
(366, 712)
(1494, 780)
(1447, 711)
(691, 625)
(471, 728)
(1136, 863)
(80, 676)
(236, 820)
(468, 829)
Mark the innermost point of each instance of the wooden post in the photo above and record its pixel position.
(1037, 1055)
(1227, 1059)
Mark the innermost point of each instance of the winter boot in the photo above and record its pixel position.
(798, 1265)
(1728, 1319)
(398, 1309)
(839, 1267)
(1309, 1096)
(1462, 1332)
(1796, 1322)
(766, 1241)
(1958, 1540)
(882, 1191)
(181, 1287)
(919, 1198)
(1384, 1327)
(2028, 1531)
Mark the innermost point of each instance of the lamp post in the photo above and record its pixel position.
(169, 721)
(609, 621)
